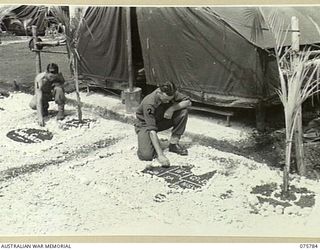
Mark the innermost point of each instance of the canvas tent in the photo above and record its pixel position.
(26, 16)
(206, 51)
(22, 16)
(102, 44)
(192, 47)
(203, 55)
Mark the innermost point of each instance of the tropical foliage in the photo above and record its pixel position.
(298, 72)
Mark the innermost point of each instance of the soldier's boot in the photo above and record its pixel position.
(178, 149)
(60, 115)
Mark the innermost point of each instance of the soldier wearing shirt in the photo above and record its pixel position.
(162, 109)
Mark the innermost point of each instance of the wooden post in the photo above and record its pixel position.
(299, 150)
(77, 89)
(129, 48)
(260, 116)
(72, 14)
(132, 95)
(38, 57)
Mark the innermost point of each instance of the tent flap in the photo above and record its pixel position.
(102, 44)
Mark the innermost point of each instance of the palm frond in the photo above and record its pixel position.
(315, 24)
(276, 24)
(318, 29)
(5, 10)
(299, 79)
(256, 19)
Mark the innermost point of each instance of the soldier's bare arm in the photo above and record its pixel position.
(39, 96)
(163, 160)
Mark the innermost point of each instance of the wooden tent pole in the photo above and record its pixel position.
(38, 57)
(129, 48)
(132, 95)
(298, 128)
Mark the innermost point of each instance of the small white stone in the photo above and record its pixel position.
(279, 209)
(306, 210)
(84, 180)
(290, 210)
(253, 200)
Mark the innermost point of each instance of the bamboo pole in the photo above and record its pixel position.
(299, 151)
(129, 48)
(38, 56)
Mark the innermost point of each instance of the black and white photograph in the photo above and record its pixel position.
(160, 120)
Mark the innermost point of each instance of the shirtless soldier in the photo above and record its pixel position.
(48, 86)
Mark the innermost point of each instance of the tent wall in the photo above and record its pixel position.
(203, 56)
(102, 45)
(25, 15)
(239, 19)
(192, 47)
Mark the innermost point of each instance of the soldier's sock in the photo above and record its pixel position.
(174, 139)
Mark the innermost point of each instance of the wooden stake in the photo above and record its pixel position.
(299, 150)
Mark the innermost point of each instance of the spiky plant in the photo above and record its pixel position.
(4, 11)
(298, 75)
(70, 34)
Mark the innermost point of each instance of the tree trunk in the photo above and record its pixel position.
(298, 142)
(299, 149)
(286, 169)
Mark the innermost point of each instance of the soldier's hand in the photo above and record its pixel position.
(41, 123)
(168, 114)
(163, 160)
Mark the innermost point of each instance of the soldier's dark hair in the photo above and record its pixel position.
(52, 68)
(168, 87)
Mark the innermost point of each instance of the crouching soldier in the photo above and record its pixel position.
(48, 86)
(162, 109)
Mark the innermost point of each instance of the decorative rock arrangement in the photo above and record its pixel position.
(180, 176)
(29, 135)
